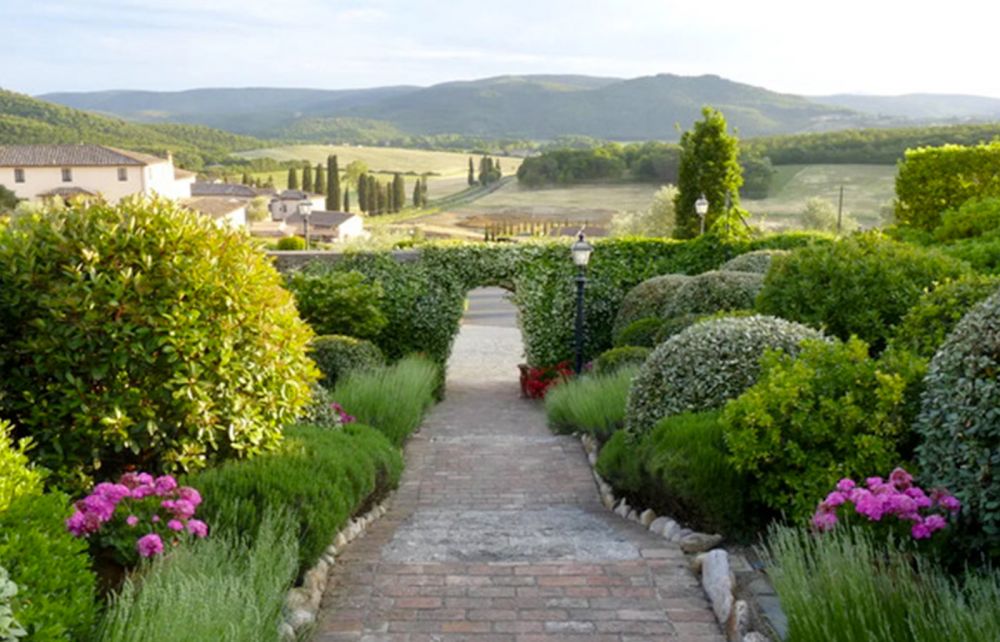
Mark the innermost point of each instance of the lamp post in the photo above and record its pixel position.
(701, 209)
(305, 209)
(581, 251)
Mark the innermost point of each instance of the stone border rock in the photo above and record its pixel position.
(710, 563)
(302, 602)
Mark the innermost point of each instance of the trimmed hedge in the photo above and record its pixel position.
(338, 355)
(959, 422)
(338, 303)
(143, 334)
(639, 334)
(622, 357)
(706, 365)
(715, 291)
(758, 262)
(645, 300)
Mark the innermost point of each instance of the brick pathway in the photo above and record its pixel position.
(497, 533)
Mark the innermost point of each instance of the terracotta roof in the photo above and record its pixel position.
(71, 156)
(321, 218)
(181, 174)
(214, 206)
(67, 192)
(201, 188)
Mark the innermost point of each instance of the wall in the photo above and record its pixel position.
(101, 180)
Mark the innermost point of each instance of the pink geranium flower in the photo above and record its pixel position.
(149, 545)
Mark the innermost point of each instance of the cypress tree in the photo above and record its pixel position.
(709, 165)
(270, 182)
(245, 179)
(399, 192)
(416, 193)
(333, 197)
(319, 182)
(379, 199)
(293, 178)
(307, 178)
(472, 172)
(363, 192)
(347, 199)
(423, 193)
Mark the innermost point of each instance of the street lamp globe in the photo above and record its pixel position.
(701, 205)
(581, 252)
(305, 208)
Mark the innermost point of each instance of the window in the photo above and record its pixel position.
(123, 173)
(18, 175)
(67, 175)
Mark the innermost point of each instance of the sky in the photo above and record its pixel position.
(792, 46)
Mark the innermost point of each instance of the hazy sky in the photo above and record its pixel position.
(796, 46)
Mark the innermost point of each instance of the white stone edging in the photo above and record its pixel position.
(710, 564)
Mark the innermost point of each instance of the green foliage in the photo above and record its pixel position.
(812, 420)
(338, 355)
(758, 172)
(706, 365)
(758, 262)
(619, 465)
(658, 220)
(10, 629)
(393, 399)
(972, 218)
(676, 325)
(862, 285)
(651, 161)
(934, 179)
(845, 587)
(959, 421)
(594, 404)
(935, 314)
(617, 358)
(344, 303)
(293, 243)
(641, 333)
(821, 215)
(715, 291)
(8, 200)
(321, 477)
(646, 300)
(142, 334)
(709, 166)
(17, 476)
(982, 252)
(56, 599)
(226, 587)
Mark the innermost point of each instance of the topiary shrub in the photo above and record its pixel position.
(617, 358)
(973, 218)
(342, 303)
(712, 292)
(641, 333)
(811, 420)
(17, 476)
(56, 596)
(758, 261)
(143, 334)
(645, 300)
(292, 243)
(619, 463)
(706, 365)
(862, 285)
(337, 355)
(959, 422)
(676, 325)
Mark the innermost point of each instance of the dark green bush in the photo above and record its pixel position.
(392, 399)
(676, 325)
(619, 463)
(622, 357)
(646, 300)
(339, 303)
(594, 404)
(982, 253)
(862, 285)
(143, 334)
(321, 476)
(56, 598)
(17, 476)
(291, 243)
(959, 422)
(812, 420)
(639, 334)
(706, 365)
(712, 292)
(338, 355)
(973, 218)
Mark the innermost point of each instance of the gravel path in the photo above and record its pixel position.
(497, 532)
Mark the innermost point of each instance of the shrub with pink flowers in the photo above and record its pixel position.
(138, 517)
(896, 503)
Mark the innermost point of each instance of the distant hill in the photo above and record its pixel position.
(536, 107)
(26, 120)
(924, 107)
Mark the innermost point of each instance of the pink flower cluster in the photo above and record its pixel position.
(133, 495)
(896, 497)
(344, 417)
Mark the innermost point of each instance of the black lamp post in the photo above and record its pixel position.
(581, 256)
(305, 209)
(701, 209)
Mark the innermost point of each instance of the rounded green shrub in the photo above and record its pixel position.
(959, 422)
(928, 323)
(342, 303)
(646, 300)
(641, 333)
(617, 358)
(812, 419)
(676, 325)
(619, 463)
(337, 355)
(758, 261)
(706, 365)
(862, 285)
(973, 218)
(56, 599)
(17, 476)
(143, 334)
(716, 291)
(291, 243)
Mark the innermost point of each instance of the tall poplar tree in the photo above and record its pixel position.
(293, 178)
(319, 180)
(423, 193)
(709, 165)
(333, 197)
(416, 193)
(307, 178)
(472, 172)
(398, 192)
(347, 199)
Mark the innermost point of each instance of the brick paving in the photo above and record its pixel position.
(497, 534)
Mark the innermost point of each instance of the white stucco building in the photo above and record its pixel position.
(329, 227)
(35, 172)
(287, 203)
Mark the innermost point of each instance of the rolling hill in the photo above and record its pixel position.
(537, 107)
(936, 107)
